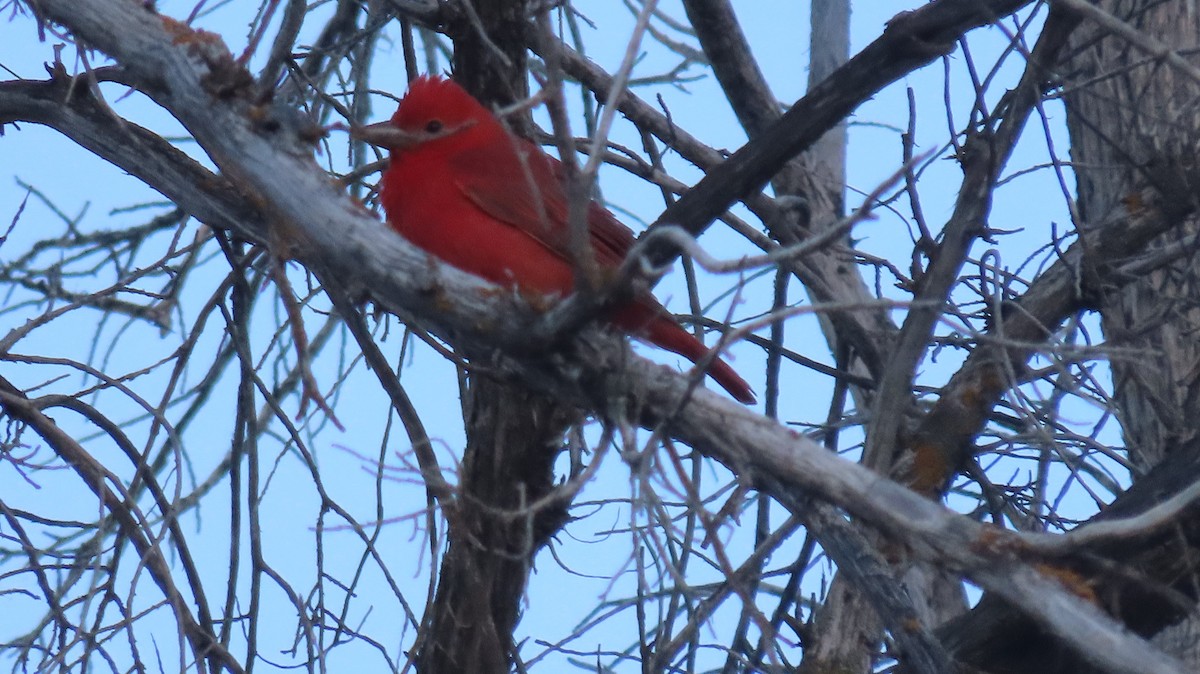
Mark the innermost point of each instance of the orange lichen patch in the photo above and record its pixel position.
(983, 395)
(988, 540)
(1072, 581)
(178, 30)
(943, 441)
(996, 541)
(181, 33)
(225, 77)
(928, 469)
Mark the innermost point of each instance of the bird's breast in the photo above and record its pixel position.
(427, 207)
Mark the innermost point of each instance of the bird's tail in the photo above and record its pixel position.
(649, 321)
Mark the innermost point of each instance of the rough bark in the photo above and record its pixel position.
(513, 435)
(1133, 122)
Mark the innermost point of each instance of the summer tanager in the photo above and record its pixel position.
(468, 191)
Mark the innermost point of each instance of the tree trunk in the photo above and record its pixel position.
(513, 436)
(1134, 123)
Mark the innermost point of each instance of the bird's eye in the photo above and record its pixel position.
(434, 126)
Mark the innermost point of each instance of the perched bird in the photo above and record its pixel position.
(464, 188)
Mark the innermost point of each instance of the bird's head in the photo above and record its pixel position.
(436, 112)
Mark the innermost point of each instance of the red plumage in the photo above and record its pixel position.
(465, 189)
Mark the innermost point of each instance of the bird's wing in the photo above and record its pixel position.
(521, 185)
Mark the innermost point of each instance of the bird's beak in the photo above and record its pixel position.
(383, 134)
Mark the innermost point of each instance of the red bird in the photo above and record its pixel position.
(465, 189)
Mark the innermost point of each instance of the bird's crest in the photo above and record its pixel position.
(431, 97)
